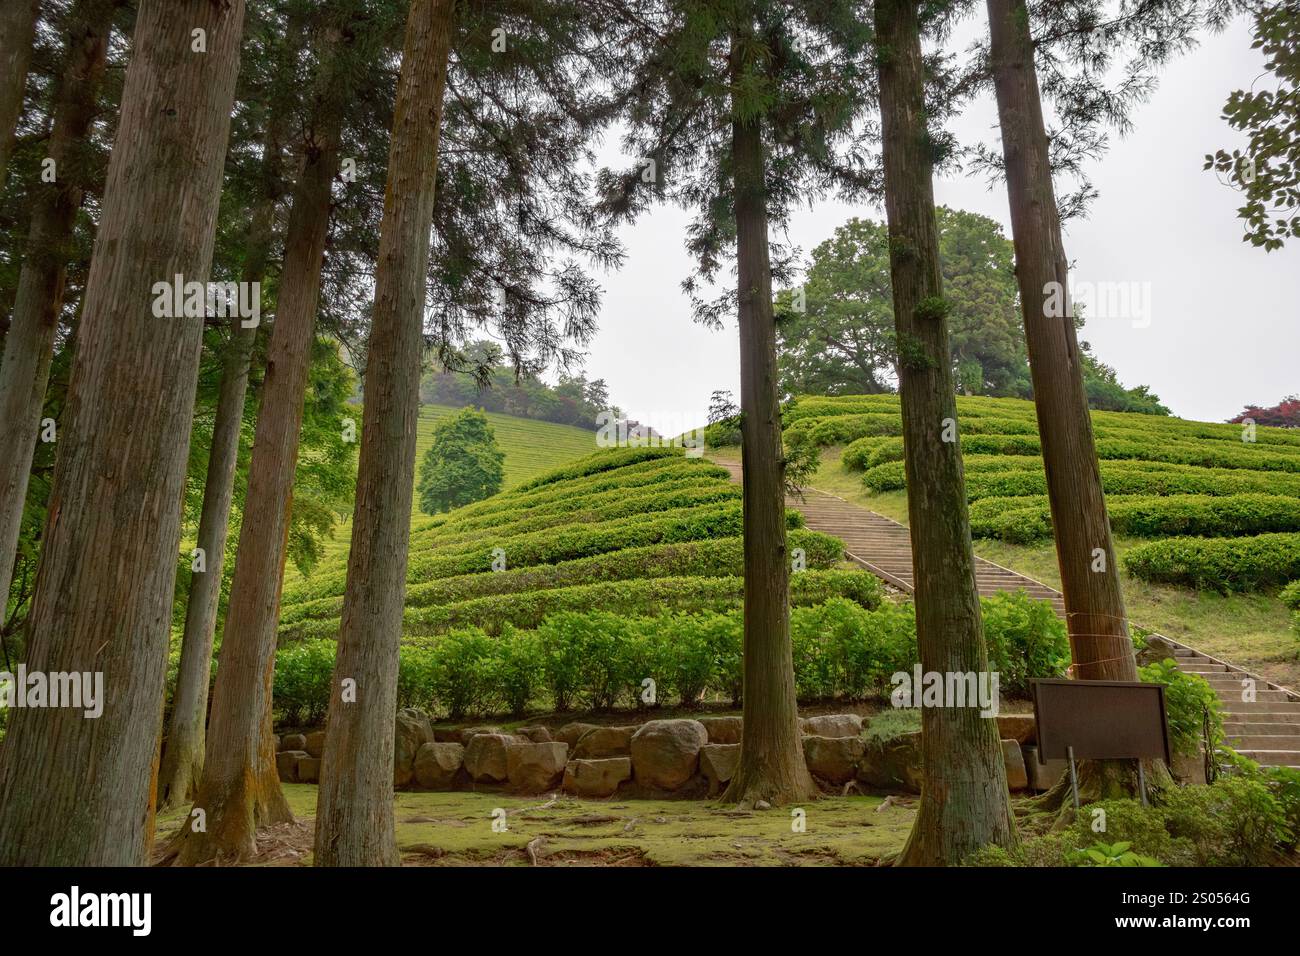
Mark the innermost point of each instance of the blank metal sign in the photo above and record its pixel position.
(1101, 720)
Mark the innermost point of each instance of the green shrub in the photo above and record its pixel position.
(1290, 595)
(1109, 854)
(1220, 564)
(1025, 640)
(601, 461)
(463, 673)
(301, 688)
(1237, 821)
(1151, 516)
(1191, 706)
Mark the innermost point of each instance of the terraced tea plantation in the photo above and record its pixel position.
(576, 585)
(1202, 508)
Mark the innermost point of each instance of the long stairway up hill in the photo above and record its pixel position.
(1267, 729)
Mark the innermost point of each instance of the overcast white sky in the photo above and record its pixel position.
(1223, 327)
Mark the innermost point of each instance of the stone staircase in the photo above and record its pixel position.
(1266, 729)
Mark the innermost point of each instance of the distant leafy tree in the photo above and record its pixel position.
(1105, 393)
(463, 465)
(1268, 172)
(836, 331)
(1285, 414)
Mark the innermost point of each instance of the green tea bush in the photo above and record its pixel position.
(1218, 564)
(1290, 595)
(601, 461)
(301, 689)
(1149, 516)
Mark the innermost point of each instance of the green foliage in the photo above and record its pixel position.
(1147, 516)
(1109, 854)
(1218, 564)
(1192, 708)
(1290, 595)
(464, 464)
(1025, 640)
(1268, 173)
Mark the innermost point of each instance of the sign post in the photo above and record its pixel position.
(1100, 720)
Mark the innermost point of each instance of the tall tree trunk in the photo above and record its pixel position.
(17, 35)
(964, 800)
(354, 814)
(38, 303)
(182, 759)
(239, 789)
(1094, 603)
(76, 791)
(1100, 647)
(772, 766)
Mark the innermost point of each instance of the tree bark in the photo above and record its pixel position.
(354, 816)
(1094, 602)
(76, 791)
(964, 801)
(182, 758)
(17, 35)
(38, 302)
(240, 789)
(772, 765)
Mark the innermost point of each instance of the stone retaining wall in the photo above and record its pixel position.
(678, 757)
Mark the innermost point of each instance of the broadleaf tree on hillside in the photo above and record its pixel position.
(463, 465)
(836, 329)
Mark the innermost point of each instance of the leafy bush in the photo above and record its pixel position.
(601, 461)
(1290, 595)
(1191, 707)
(301, 689)
(1025, 640)
(1238, 821)
(1219, 564)
(1150, 516)
(1109, 854)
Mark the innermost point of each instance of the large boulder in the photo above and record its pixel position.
(572, 733)
(1018, 727)
(832, 725)
(722, 730)
(411, 728)
(666, 753)
(286, 764)
(292, 742)
(1014, 758)
(535, 768)
(596, 778)
(537, 734)
(718, 765)
(308, 770)
(485, 758)
(892, 764)
(469, 733)
(436, 765)
(604, 742)
(833, 759)
(315, 743)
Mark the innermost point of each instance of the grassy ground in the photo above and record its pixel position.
(457, 829)
(531, 447)
(1251, 631)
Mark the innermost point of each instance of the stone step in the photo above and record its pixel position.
(1266, 741)
(1265, 717)
(1273, 758)
(1270, 707)
(1204, 669)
